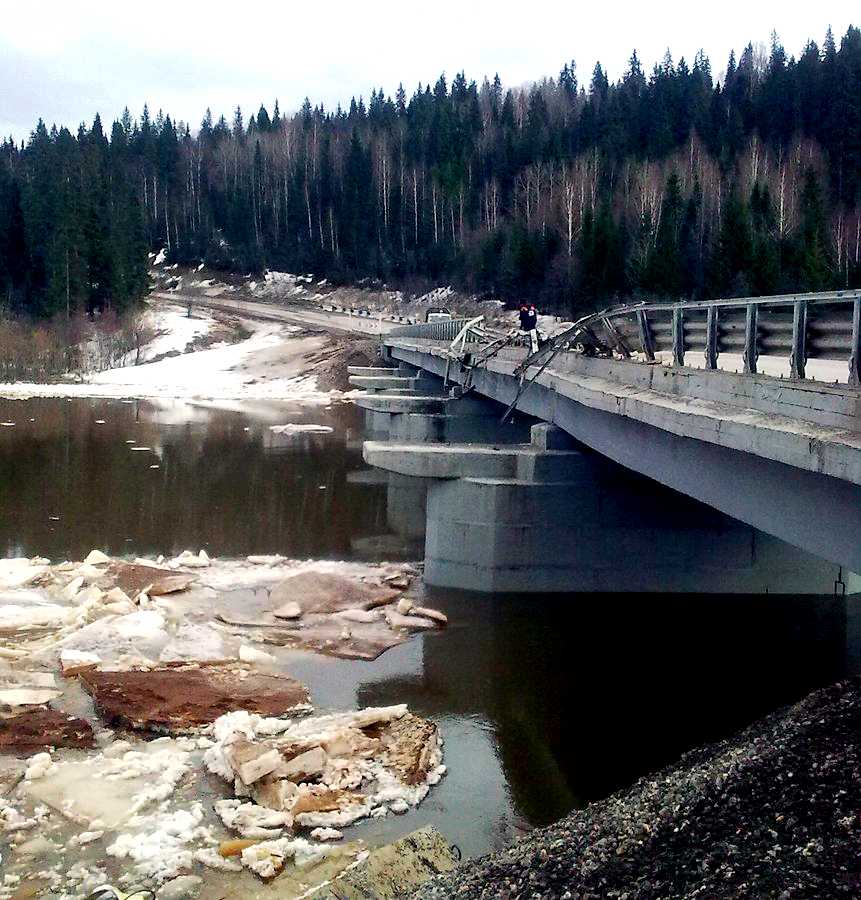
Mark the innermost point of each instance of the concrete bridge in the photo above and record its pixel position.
(653, 388)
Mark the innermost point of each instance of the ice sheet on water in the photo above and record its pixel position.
(195, 642)
(142, 634)
(104, 791)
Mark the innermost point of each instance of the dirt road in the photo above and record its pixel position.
(292, 315)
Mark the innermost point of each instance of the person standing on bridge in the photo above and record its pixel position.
(529, 324)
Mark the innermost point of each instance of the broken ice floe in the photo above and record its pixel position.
(192, 607)
(322, 772)
(169, 646)
(300, 428)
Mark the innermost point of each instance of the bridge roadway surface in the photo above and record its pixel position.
(783, 456)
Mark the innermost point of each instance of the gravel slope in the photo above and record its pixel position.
(772, 812)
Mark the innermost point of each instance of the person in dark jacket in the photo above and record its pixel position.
(529, 324)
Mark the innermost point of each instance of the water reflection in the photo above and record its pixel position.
(214, 478)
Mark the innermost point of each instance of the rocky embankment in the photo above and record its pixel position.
(772, 812)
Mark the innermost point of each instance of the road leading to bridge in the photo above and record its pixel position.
(289, 315)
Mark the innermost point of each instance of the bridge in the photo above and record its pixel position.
(751, 406)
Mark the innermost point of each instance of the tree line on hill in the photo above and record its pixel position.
(669, 184)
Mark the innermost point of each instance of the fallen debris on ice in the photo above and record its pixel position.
(40, 727)
(322, 771)
(182, 698)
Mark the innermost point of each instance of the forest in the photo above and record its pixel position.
(677, 182)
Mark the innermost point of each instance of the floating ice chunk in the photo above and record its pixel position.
(181, 888)
(289, 610)
(414, 623)
(14, 617)
(158, 843)
(214, 860)
(96, 558)
(264, 560)
(14, 678)
(300, 428)
(251, 820)
(105, 791)
(195, 642)
(358, 615)
(253, 655)
(70, 591)
(326, 834)
(268, 858)
(141, 634)
(86, 837)
(427, 613)
(118, 595)
(191, 560)
(38, 766)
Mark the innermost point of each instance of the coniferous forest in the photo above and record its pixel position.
(573, 191)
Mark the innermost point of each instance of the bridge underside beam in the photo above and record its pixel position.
(818, 513)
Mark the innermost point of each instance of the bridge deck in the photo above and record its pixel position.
(780, 436)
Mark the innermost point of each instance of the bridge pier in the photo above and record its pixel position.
(503, 515)
(545, 517)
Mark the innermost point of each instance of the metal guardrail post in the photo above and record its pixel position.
(711, 338)
(646, 341)
(855, 358)
(750, 352)
(678, 336)
(798, 356)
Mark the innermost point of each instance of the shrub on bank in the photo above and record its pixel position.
(48, 350)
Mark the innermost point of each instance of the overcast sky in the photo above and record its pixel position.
(65, 60)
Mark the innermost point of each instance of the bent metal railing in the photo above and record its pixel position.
(802, 327)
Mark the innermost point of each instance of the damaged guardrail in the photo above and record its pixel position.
(820, 326)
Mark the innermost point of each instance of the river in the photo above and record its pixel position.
(546, 703)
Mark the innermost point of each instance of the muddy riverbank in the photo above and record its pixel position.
(772, 812)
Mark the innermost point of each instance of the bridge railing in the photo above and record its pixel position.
(443, 330)
(802, 327)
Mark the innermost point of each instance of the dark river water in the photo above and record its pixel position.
(545, 702)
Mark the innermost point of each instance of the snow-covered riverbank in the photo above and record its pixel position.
(272, 363)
